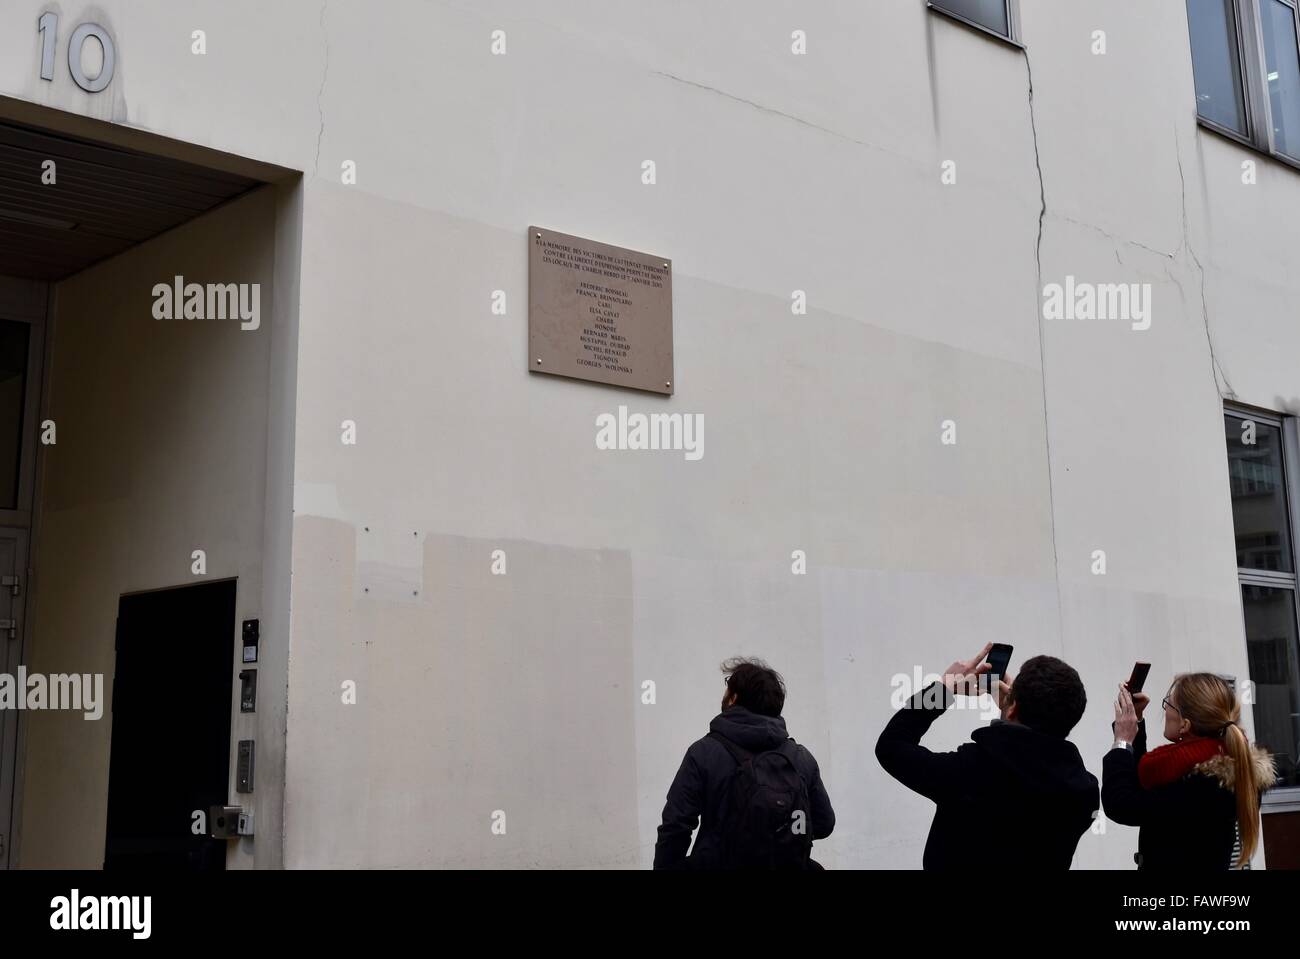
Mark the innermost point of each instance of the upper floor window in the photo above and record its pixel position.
(1282, 73)
(995, 16)
(1216, 63)
(1246, 68)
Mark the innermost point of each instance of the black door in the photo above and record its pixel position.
(171, 727)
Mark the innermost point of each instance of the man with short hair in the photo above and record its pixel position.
(1018, 793)
(756, 793)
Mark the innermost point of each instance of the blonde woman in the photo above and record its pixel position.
(1191, 796)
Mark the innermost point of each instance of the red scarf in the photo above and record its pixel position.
(1174, 761)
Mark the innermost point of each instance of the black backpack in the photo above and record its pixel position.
(760, 829)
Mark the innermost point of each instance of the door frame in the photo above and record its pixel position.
(11, 655)
(22, 301)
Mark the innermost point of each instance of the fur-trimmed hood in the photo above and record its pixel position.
(1222, 769)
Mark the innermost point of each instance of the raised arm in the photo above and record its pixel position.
(900, 752)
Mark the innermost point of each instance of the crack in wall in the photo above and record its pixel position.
(320, 94)
(1042, 350)
(1216, 368)
(1112, 237)
(1185, 245)
(788, 116)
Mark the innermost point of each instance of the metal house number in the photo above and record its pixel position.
(48, 27)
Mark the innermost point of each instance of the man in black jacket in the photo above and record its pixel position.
(749, 726)
(1019, 792)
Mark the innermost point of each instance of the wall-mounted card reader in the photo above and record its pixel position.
(252, 630)
(244, 767)
(247, 690)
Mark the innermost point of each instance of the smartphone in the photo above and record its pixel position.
(999, 656)
(1139, 677)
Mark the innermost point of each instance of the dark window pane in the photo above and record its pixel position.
(1282, 64)
(1271, 645)
(1259, 512)
(987, 13)
(13, 393)
(1216, 66)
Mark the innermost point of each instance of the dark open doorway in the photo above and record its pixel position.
(171, 727)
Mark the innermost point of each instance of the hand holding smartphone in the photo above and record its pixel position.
(999, 658)
(1138, 678)
(1134, 686)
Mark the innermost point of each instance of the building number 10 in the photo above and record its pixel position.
(48, 27)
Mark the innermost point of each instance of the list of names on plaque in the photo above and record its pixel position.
(600, 312)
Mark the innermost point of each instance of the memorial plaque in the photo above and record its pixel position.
(599, 312)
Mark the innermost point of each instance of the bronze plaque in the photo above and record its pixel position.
(599, 312)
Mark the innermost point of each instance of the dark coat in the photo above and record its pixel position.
(700, 789)
(1013, 796)
(1189, 824)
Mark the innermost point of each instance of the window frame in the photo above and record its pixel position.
(1281, 798)
(1267, 137)
(1012, 7)
(1252, 74)
(1249, 107)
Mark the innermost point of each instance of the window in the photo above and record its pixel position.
(1261, 448)
(1259, 509)
(995, 16)
(1216, 63)
(1246, 70)
(1282, 73)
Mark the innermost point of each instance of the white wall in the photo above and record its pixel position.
(775, 173)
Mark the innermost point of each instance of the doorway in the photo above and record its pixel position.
(170, 749)
(142, 444)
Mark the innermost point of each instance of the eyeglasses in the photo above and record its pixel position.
(1166, 704)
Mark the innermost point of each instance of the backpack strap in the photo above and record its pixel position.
(741, 756)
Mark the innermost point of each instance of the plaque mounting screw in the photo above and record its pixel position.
(539, 236)
(665, 266)
(669, 384)
(539, 361)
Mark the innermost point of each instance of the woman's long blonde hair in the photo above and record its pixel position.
(1210, 704)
